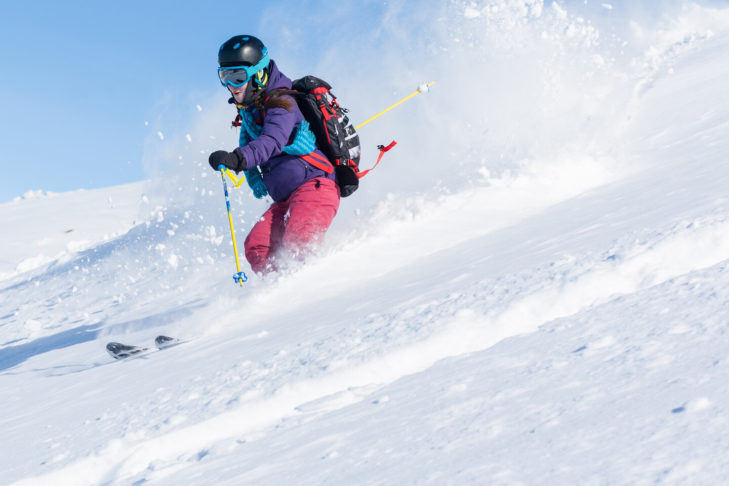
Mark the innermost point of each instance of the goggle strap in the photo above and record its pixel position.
(261, 78)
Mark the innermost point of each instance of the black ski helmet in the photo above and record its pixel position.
(241, 50)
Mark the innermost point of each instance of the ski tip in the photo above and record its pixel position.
(163, 340)
(113, 347)
(120, 351)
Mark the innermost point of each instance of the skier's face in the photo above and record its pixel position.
(238, 92)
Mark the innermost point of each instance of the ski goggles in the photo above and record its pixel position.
(237, 76)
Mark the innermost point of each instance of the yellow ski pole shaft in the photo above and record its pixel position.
(235, 244)
(239, 277)
(421, 89)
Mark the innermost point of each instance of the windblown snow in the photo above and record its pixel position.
(532, 288)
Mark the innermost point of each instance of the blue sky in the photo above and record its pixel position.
(80, 78)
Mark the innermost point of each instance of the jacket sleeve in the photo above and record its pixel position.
(277, 128)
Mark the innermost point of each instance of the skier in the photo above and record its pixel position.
(275, 143)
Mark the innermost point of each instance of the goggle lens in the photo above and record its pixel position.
(235, 77)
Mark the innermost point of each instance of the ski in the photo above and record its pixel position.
(164, 342)
(121, 351)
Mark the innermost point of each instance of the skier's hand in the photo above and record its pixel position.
(232, 160)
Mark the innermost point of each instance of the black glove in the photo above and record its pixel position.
(232, 160)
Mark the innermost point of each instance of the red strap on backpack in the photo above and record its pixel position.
(383, 149)
(319, 162)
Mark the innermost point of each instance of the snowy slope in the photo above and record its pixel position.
(64, 224)
(554, 313)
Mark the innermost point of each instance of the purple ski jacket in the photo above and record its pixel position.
(282, 173)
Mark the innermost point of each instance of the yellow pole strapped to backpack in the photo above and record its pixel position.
(423, 88)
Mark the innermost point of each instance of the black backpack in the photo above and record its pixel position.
(335, 134)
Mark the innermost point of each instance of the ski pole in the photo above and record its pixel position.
(423, 88)
(239, 277)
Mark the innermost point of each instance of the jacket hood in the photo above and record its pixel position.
(276, 79)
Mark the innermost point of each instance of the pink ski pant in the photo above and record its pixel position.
(292, 227)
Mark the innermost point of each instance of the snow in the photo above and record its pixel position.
(47, 227)
(552, 311)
